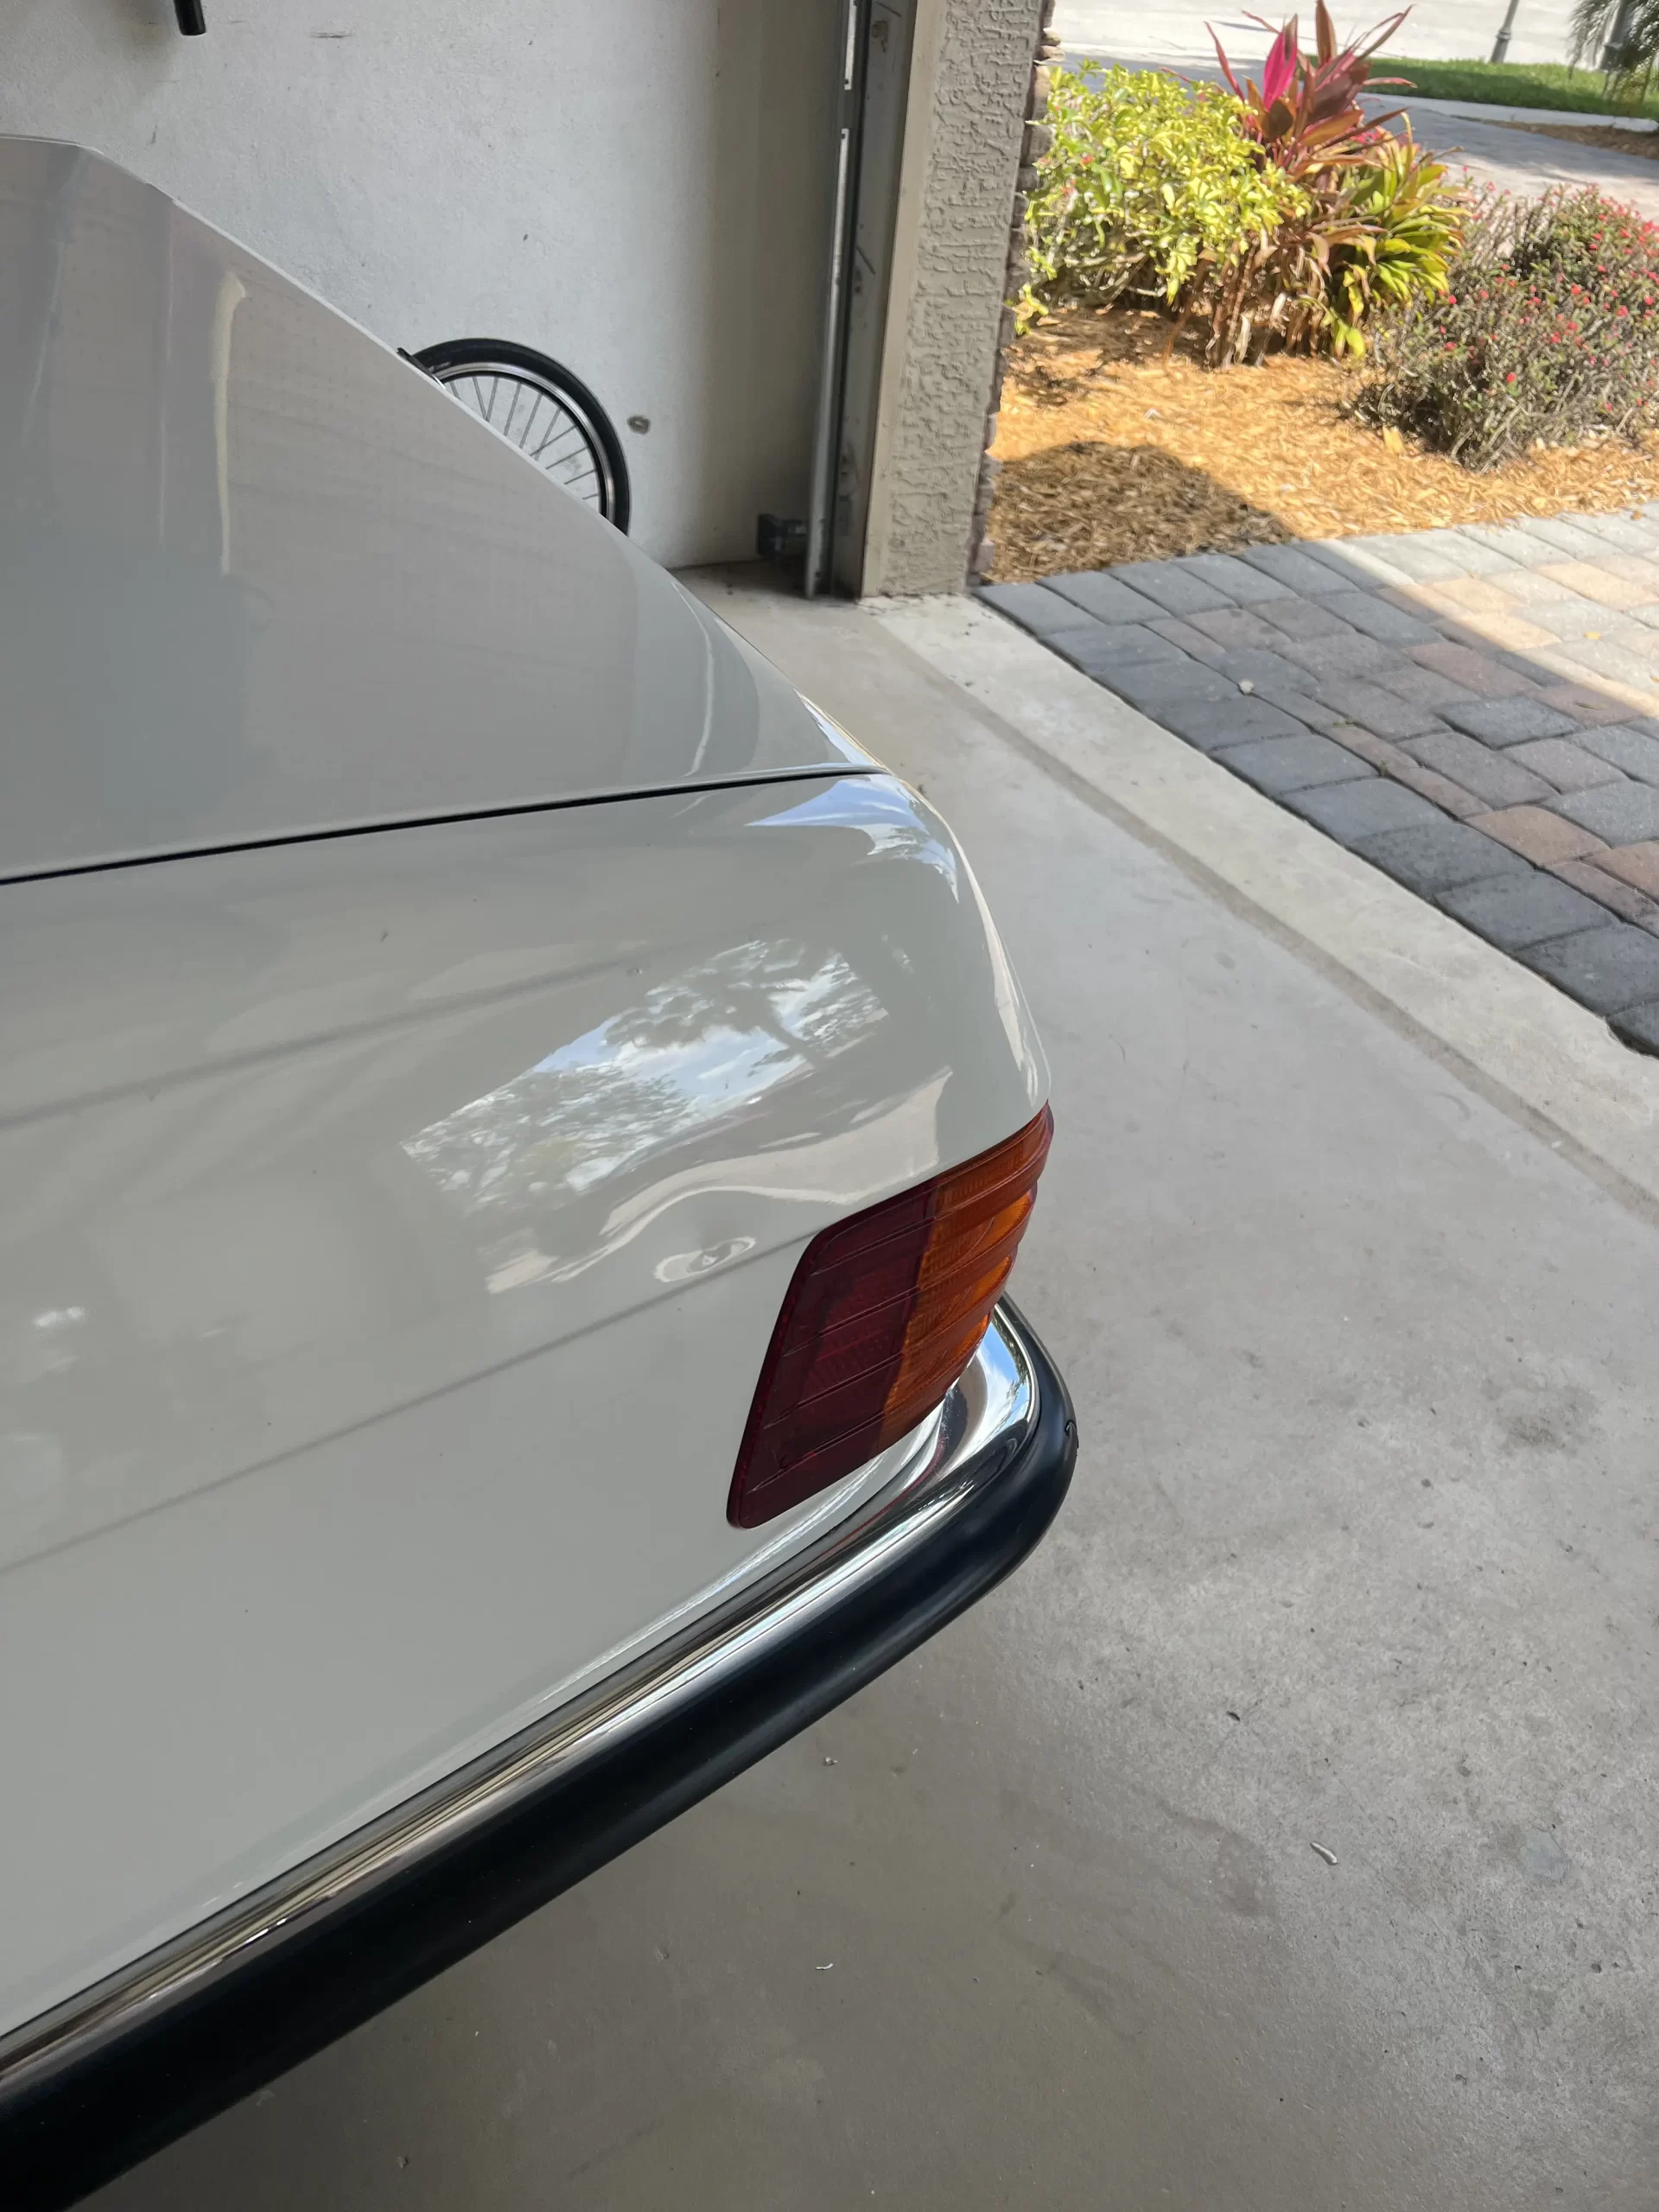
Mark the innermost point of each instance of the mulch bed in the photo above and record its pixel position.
(1111, 453)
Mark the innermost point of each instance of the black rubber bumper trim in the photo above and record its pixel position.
(81, 2128)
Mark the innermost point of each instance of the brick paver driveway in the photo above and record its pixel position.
(1476, 711)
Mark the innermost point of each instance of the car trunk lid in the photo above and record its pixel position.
(262, 580)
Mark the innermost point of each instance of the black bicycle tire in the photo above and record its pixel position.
(460, 353)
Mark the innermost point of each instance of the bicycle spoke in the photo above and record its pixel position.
(537, 401)
(534, 418)
(563, 427)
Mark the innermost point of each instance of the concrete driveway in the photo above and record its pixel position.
(1282, 1836)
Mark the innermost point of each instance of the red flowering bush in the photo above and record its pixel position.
(1548, 334)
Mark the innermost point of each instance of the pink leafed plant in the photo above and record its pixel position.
(1305, 114)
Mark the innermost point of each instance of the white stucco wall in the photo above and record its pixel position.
(639, 187)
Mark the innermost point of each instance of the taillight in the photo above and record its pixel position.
(882, 1315)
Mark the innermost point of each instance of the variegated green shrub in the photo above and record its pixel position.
(1276, 214)
(1150, 185)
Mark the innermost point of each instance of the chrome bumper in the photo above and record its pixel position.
(658, 1735)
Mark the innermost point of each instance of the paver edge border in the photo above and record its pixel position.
(1522, 1040)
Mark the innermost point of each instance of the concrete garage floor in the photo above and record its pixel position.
(1363, 1552)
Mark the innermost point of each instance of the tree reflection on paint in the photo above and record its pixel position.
(714, 1040)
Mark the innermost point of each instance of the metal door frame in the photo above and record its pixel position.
(875, 44)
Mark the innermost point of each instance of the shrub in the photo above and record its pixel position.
(1408, 224)
(1549, 333)
(1305, 114)
(1276, 212)
(1378, 227)
(1150, 187)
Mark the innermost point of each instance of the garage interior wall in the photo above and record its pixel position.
(642, 189)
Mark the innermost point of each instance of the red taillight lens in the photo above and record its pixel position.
(883, 1313)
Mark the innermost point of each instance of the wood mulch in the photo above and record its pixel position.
(1110, 452)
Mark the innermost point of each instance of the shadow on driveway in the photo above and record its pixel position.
(1475, 711)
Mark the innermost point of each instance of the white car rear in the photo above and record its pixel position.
(511, 1130)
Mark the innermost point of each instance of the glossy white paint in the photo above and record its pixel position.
(257, 576)
(391, 1229)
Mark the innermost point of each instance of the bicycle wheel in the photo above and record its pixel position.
(538, 406)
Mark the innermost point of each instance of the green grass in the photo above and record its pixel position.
(1512, 84)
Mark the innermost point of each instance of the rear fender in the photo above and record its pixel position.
(394, 1226)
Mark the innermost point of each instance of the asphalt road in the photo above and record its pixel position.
(1282, 1836)
(1527, 162)
(1446, 30)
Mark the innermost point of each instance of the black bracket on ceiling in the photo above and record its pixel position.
(192, 21)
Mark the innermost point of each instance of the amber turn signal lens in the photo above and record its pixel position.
(883, 1313)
